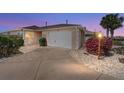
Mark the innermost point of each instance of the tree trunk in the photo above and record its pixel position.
(107, 33)
(112, 33)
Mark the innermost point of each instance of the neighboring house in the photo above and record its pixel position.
(70, 36)
(120, 39)
(13, 32)
(88, 34)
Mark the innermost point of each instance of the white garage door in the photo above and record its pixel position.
(60, 39)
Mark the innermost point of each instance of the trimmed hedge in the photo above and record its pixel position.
(92, 46)
(42, 41)
(10, 45)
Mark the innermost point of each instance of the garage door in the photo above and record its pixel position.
(60, 39)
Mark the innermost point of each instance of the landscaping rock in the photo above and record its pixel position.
(121, 60)
(108, 65)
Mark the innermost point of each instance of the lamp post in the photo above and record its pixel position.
(99, 44)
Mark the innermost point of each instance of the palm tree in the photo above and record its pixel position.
(111, 22)
(105, 24)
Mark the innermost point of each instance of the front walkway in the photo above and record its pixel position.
(26, 49)
(47, 64)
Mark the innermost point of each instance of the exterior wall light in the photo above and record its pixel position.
(100, 36)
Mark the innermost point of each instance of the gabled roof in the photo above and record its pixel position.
(34, 27)
(49, 26)
(58, 25)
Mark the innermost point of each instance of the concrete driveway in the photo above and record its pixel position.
(47, 64)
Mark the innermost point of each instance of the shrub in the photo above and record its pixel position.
(9, 45)
(117, 42)
(42, 41)
(119, 50)
(92, 46)
(20, 42)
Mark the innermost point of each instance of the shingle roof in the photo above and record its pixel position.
(31, 27)
(50, 26)
(58, 25)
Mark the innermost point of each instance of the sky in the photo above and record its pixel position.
(10, 21)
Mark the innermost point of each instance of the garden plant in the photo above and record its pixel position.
(92, 46)
(42, 41)
(10, 45)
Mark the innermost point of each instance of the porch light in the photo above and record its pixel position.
(100, 36)
(27, 36)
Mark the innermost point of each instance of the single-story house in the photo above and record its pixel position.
(12, 32)
(70, 36)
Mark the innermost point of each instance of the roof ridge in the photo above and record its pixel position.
(49, 26)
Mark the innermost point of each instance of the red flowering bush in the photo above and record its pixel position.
(93, 43)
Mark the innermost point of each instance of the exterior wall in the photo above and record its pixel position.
(13, 32)
(31, 37)
(74, 39)
(46, 32)
(78, 38)
(78, 35)
(5, 33)
(83, 37)
(37, 36)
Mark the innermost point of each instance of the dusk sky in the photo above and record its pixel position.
(89, 20)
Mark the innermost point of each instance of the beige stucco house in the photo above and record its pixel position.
(70, 36)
